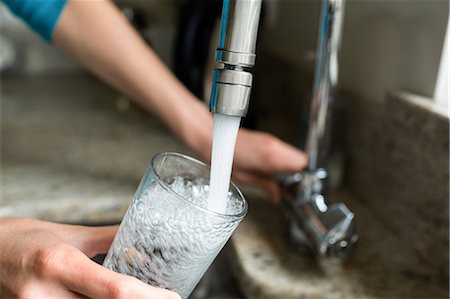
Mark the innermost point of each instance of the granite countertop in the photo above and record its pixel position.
(73, 150)
(380, 267)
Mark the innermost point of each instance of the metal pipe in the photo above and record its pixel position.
(325, 78)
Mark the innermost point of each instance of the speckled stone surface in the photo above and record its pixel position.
(398, 154)
(382, 266)
(71, 149)
(73, 152)
(394, 152)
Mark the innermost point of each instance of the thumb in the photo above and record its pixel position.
(95, 240)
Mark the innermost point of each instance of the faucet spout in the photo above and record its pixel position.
(232, 84)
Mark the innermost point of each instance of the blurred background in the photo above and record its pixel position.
(68, 138)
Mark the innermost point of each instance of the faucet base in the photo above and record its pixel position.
(299, 242)
(326, 230)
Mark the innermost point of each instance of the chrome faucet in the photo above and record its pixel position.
(232, 84)
(328, 230)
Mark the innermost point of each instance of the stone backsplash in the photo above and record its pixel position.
(398, 162)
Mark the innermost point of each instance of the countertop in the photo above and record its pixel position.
(381, 266)
(73, 151)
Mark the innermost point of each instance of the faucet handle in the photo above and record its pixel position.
(341, 235)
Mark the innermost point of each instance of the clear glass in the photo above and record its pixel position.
(168, 237)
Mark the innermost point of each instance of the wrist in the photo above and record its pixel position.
(196, 130)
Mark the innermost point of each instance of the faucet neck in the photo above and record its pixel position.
(325, 79)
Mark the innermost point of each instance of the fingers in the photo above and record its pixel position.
(88, 239)
(266, 154)
(95, 240)
(32, 289)
(283, 157)
(270, 186)
(80, 275)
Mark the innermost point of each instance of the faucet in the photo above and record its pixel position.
(327, 230)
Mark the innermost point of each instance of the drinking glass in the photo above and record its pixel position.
(169, 237)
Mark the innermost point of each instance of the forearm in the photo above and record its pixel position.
(100, 38)
(97, 35)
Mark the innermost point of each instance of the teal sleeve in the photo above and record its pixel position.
(40, 15)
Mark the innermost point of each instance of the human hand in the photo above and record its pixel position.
(42, 259)
(259, 156)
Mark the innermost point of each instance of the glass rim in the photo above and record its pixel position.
(238, 216)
